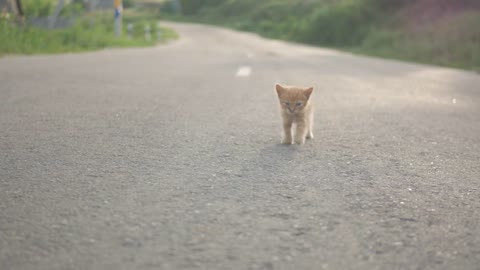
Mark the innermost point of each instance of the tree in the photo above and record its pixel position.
(19, 7)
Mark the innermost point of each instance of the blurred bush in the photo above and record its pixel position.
(38, 8)
(72, 9)
(44, 8)
(190, 7)
(128, 3)
(443, 32)
(345, 24)
(91, 31)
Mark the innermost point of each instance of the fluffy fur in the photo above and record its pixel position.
(296, 110)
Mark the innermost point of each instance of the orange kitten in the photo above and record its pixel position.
(297, 109)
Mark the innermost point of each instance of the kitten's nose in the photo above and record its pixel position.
(291, 110)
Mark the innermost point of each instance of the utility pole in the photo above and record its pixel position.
(117, 4)
(19, 7)
(15, 6)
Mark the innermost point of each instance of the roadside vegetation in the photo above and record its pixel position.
(442, 32)
(90, 30)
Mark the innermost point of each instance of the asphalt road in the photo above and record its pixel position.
(169, 158)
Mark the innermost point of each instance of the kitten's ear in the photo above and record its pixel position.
(308, 91)
(280, 89)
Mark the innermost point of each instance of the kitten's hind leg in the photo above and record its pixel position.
(309, 134)
(310, 128)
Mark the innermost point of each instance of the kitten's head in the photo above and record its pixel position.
(293, 99)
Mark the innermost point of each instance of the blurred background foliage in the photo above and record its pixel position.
(38, 8)
(89, 30)
(444, 32)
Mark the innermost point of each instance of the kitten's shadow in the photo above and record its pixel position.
(271, 160)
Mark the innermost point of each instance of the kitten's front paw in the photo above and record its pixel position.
(310, 135)
(286, 141)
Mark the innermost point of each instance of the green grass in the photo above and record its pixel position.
(38, 8)
(373, 27)
(90, 32)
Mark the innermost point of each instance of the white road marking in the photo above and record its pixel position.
(244, 71)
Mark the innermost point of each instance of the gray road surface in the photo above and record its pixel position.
(168, 158)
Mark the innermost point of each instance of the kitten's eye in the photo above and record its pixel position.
(287, 103)
(299, 103)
